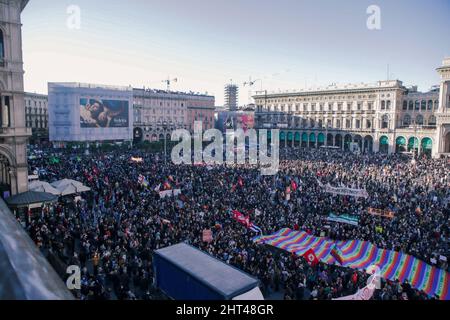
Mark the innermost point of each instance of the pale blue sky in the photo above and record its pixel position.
(205, 43)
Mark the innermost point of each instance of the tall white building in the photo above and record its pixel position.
(89, 113)
(381, 117)
(13, 131)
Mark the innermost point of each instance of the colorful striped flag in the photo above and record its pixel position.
(361, 255)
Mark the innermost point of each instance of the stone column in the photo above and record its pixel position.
(5, 114)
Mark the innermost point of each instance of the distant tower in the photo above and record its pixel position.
(443, 114)
(231, 97)
(13, 131)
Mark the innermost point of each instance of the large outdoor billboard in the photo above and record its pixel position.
(95, 113)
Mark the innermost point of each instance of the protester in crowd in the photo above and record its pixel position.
(113, 231)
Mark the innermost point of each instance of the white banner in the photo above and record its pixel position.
(169, 193)
(343, 191)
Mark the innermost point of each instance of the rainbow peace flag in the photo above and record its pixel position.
(361, 255)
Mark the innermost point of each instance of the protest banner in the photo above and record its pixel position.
(344, 218)
(343, 191)
(207, 236)
(381, 213)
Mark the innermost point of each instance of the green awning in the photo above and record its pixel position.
(297, 136)
(413, 143)
(384, 140)
(305, 137)
(401, 141)
(427, 143)
(312, 137)
(321, 138)
(290, 136)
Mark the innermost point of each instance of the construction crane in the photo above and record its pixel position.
(250, 84)
(168, 81)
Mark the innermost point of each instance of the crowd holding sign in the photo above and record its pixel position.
(120, 213)
(344, 191)
(169, 193)
(207, 236)
(381, 213)
(344, 218)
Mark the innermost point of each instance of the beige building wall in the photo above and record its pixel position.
(13, 133)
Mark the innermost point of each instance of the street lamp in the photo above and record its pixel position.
(164, 125)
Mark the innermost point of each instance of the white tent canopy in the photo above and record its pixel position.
(68, 186)
(42, 186)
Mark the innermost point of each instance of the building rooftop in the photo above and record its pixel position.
(88, 86)
(165, 92)
(340, 87)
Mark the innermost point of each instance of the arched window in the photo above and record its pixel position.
(368, 124)
(423, 105)
(2, 49)
(411, 105)
(348, 123)
(406, 120)
(417, 105)
(430, 105)
(388, 105)
(419, 120)
(405, 105)
(385, 122)
(432, 121)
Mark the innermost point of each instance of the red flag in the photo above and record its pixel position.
(311, 258)
(239, 217)
(293, 185)
(240, 182)
(167, 186)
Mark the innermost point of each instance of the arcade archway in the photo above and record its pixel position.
(297, 139)
(320, 140)
(400, 144)
(427, 146)
(338, 141)
(347, 140)
(304, 140)
(384, 144)
(330, 139)
(359, 141)
(413, 144)
(312, 140)
(5, 176)
(368, 144)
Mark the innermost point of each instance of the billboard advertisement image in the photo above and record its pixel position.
(96, 113)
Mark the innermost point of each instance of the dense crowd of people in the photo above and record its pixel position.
(113, 230)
